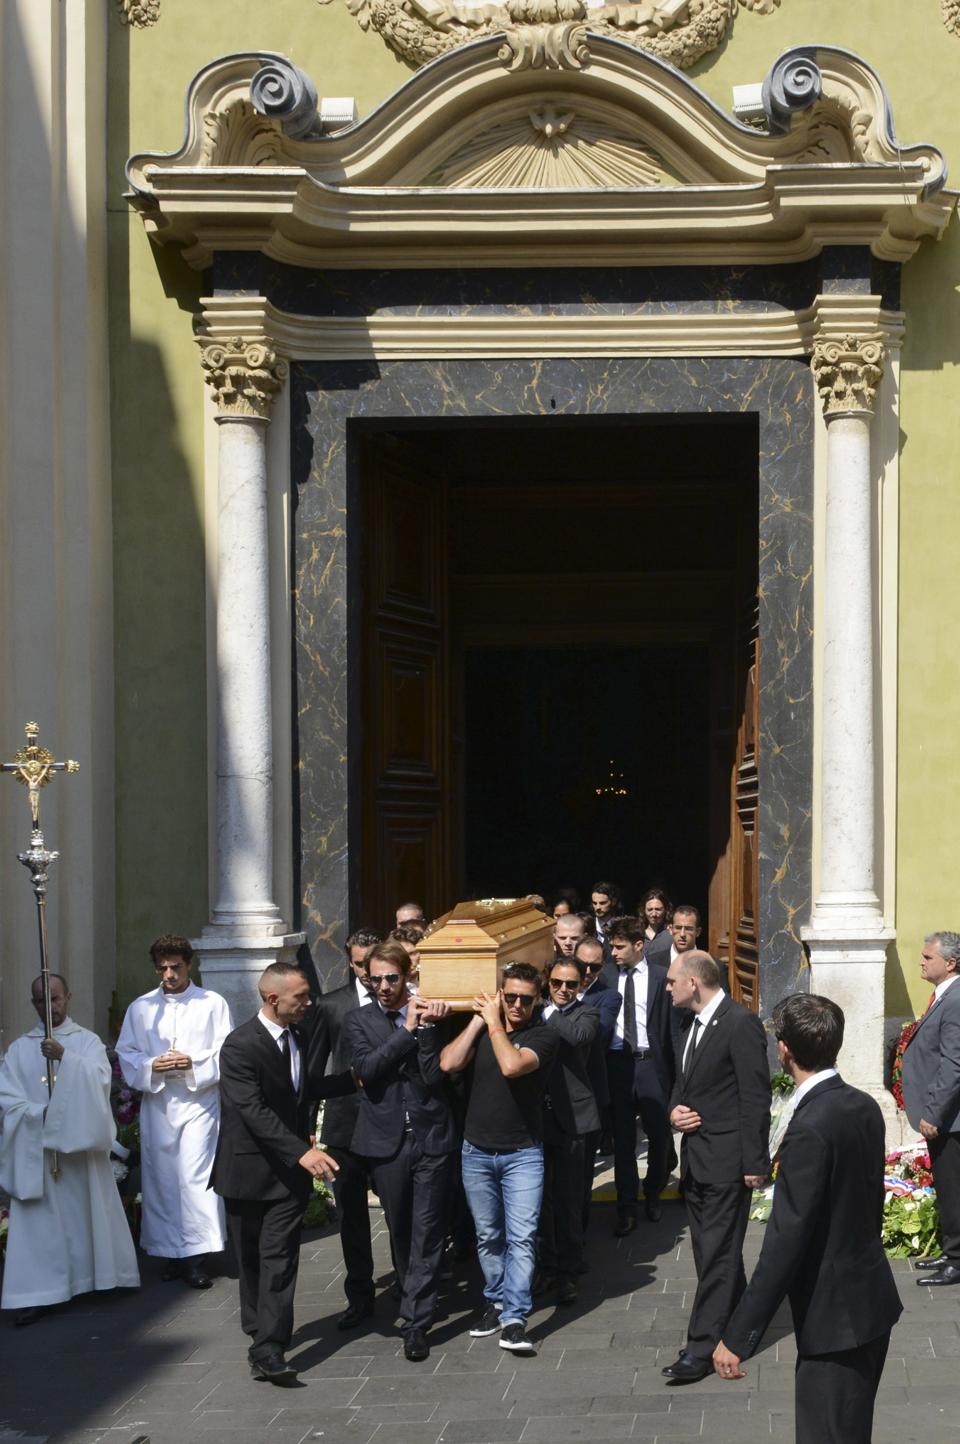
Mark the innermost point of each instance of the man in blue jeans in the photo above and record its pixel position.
(509, 1051)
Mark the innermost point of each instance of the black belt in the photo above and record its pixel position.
(628, 1052)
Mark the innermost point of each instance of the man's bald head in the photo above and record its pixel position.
(59, 997)
(700, 965)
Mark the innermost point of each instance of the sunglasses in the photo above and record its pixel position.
(592, 967)
(390, 978)
(523, 999)
(565, 984)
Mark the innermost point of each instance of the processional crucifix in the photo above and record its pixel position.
(34, 766)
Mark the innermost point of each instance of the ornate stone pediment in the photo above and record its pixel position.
(680, 31)
(473, 163)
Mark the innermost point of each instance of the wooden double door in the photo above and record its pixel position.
(457, 550)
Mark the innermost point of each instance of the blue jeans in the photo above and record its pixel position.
(504, 1191)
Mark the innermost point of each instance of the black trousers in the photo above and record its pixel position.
(591, 1147)
(266, 1241)
(718, 1215)
(413, 1188)
(350, 1191)
(635, 1087)
(945, 1159)
(561, 1213)
(835, 1394)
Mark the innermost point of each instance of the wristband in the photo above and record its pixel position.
(491, 1031)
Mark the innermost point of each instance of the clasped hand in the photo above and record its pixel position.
(684, 1119)
(425, 1010)
(487, 1007)
(170, 1061)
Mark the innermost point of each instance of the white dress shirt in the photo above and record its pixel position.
(276, 1031)
(640, 982)
(696, 1034)
(811, 1083)
(364, 995)
(942, 987)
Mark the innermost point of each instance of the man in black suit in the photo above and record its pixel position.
(822, 1244)
(569, 1116)
(265, 1165)
(607, 1002)
(721, 1105)
(405, 1130)
(640, 1070)
(327, 1046)
(931, 1095)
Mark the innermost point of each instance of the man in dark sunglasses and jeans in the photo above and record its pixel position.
(509, 1051)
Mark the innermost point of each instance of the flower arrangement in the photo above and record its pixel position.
(911, 1222)
(896, 1069)
(321, 1206)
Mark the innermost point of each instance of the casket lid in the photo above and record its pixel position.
(502, 920)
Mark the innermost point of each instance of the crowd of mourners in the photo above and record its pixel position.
(478, 1131)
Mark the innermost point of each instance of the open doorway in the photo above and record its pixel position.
(554, 663)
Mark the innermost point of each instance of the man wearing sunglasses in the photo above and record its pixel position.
(509, 1051)
(607, 1002)
(405, 1130)
(570, 1114)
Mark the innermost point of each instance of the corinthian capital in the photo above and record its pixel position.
(244, 376)
(847, 370)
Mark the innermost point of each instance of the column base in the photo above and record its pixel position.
(848, 964)
(231, 965)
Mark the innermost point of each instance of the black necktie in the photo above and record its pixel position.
(694, 1036)
(285, 1052)
(393, 1015)
(629, 1013)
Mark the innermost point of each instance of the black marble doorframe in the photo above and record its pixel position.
(329, 398)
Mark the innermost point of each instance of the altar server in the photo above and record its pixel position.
(68, 1234)
(169, 1048)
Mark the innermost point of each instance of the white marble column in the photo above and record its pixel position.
(246, 931)
(847, 936)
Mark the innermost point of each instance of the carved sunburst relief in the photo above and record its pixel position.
(680, 31)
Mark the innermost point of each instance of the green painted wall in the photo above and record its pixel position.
(157, 440)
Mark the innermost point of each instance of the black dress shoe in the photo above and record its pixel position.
(274, 1369)
(565, 1291)
(197, 1277)
(669, 1369)
(948, 1273)
(172, 1269)
(626, 1223)
(688, 1370)
(653, 1209)
(25, 1317)
(415, 1346)
(931, 1263)
(353, 1317)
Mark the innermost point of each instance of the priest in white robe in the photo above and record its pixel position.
(169, 1049)
(69, 1234)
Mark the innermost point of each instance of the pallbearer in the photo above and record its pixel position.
(169, 1049)
(68, 1233)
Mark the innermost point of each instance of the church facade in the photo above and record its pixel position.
(364, 359)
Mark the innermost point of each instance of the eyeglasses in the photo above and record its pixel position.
(522, 999)
(565, 984)
(390, 978)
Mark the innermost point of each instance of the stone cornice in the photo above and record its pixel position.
(365, 195)
(244, 374)
(419, 336)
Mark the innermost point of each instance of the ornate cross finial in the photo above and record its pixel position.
(847, 370)
(34, 765)
(244, 376)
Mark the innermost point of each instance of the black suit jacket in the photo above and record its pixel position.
(822, 1243)
(608, 1003)
(569, 1095)
(264, 1124)
(327, 1045)
(401, 1077)
(660, 1025)
(728, 1084)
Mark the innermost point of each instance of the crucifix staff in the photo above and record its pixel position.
(34, 766)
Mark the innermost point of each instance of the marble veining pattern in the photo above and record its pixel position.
(330, 398)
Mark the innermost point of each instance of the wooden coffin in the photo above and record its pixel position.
(464, 951)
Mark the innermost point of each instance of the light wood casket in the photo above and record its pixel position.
(466, 949)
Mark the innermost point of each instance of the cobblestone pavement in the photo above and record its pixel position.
(169, 1364)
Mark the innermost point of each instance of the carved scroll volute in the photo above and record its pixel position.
(140, 13)
(244, 376)
(847, 372)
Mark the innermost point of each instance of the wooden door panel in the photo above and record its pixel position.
(403, 844)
